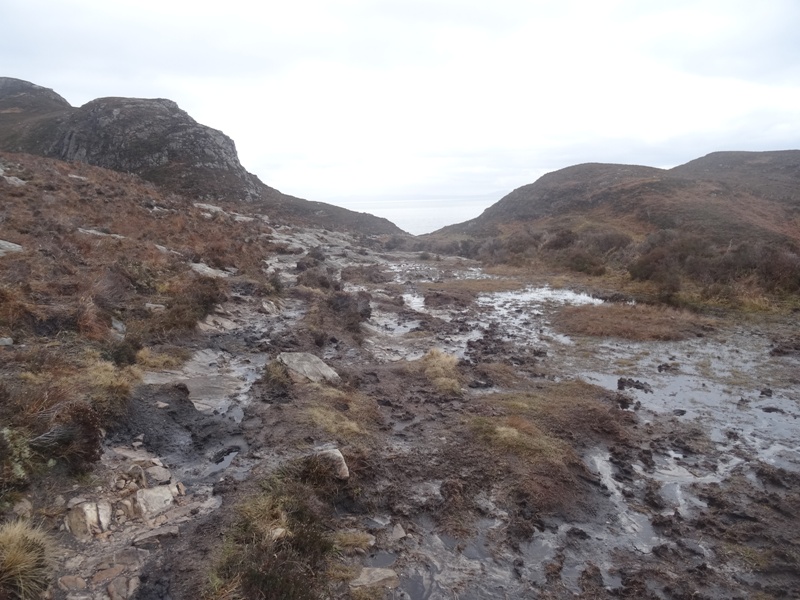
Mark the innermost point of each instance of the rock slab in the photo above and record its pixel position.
(308, 366)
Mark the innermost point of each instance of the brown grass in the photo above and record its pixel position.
(536, 438)
(346, 415)
(632, 322)
(441, 370)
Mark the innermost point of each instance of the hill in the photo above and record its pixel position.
(725, 220)
(157, 140)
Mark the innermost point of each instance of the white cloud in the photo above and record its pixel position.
(366, 98)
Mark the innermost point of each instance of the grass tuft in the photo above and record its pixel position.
(26, 555)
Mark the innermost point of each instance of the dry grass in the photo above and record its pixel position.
(350, 540)
(26, 555)
(536, 440)
(149, 358)
(441, 370)
(283, 542)
(346, 415)
(631, 322)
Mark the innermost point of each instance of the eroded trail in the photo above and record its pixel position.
(489, 454)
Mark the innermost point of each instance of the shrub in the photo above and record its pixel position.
(25, 561)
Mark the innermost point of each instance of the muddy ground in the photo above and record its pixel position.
(678, 467)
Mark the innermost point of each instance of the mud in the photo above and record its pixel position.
(695, 496)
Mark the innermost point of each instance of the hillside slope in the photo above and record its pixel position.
(157, 140)
(724, 218)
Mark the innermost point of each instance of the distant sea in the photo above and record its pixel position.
(421, 215)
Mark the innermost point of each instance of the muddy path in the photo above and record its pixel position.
(672, 468)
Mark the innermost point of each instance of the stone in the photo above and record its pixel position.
(104, 514)
(151, 502)
(107, 575)
(155, 307)
(82, 520)
(14, 181)
(157, 475)
(5, 341)
(133, 586)
(118, 589)
(204, 269)
(23, 509)
(155, 535)
(71, 583)
(339, 464)
(131, 557)
(161, 405)
(398, 533)
(372, 576)
(308, 366)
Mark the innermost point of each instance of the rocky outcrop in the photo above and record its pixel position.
(157, 140)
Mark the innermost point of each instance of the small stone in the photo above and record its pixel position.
(107, 575)
(371, 576)
(157, 475)
(118, 589)
(398, 533)
(6, 341)
(155, 307)
(137, 444)
(23, 509)
(161, 405)
(70, 583)
(127, 508)
(131, 557)
(155, 535)
(82, 520)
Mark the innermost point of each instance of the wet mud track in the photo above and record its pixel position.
(694, 495)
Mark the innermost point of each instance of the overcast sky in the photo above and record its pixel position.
(366, 103)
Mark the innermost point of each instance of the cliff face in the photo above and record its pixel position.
(155, 139)
(158, 141)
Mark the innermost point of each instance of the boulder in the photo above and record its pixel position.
(308, 366)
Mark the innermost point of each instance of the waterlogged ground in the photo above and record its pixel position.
(693, 494)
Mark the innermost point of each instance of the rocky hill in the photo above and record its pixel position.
(158, 141)
(718, 220)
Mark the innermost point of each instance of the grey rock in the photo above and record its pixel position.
(371, 576)
(398, 533)
(157, 475)
(204, 269)
(6, 342)
(308, 366)
(151, 502)
(9, 247)
(155, 535)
